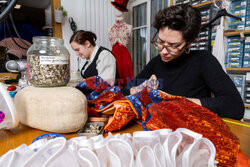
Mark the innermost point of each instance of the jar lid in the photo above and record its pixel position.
(47, 136)
(46, 39)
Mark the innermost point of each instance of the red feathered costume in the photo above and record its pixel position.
(119, 36)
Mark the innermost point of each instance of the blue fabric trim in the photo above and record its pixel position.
(103, 106)
(94, 95)
(114, 89)
(155, 96)
(148, 118)
(98, 80)
(147, 107)
(138, 95)
(144, 127)
(81, 85)
(136, 103)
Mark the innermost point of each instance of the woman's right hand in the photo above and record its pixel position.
(152, 82)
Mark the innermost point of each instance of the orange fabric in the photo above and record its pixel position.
(158, 110)
(107, 98)
(243, 161)
(122, 116)
(92, 112)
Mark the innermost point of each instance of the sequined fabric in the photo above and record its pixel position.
(122, 116)
(99, 94)
(166, 111)
(157, 110)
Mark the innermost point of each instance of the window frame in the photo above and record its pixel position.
(148, 3)
(135, 3)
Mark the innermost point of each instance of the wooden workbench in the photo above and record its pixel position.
(10, 139)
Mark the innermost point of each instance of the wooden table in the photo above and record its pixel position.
(10, 139)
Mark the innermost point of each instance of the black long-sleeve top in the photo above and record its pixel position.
(195, 75)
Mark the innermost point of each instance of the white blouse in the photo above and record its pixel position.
(105, 65)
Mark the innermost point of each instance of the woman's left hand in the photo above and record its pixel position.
(194, 100)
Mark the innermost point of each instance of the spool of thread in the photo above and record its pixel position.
(15, 65)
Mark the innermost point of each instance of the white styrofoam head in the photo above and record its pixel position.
(118, 13)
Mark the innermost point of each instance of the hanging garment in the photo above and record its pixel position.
(218, 48)
(124, 63)
(119, 36)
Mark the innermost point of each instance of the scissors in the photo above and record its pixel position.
(73, 25)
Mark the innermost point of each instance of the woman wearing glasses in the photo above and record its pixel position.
(192, 74)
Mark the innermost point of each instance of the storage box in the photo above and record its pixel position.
(239, 81)
(93, 127)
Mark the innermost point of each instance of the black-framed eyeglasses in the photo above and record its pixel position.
(171, 49)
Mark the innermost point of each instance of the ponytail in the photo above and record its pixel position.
(81, 36)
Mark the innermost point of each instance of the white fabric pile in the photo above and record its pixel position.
(160, 148)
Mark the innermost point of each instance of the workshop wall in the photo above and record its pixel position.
(93, 15)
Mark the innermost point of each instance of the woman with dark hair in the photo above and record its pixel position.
(195, 75)
(99, 60)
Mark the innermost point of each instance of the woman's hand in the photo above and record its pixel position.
(196, 101)
(152, 82)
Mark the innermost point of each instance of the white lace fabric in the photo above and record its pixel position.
(120, 32)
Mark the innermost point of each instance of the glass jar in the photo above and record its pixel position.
(75, 78)
(48, 62)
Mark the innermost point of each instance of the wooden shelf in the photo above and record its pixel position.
(247, 105)
(7, 76)
(203, 4)
(230, 33)
(238, 69)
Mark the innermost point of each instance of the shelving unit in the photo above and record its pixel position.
(247, 106)
(228, 33)
(238, 69)
(231, 33)
(204, 4)
(205, 38)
